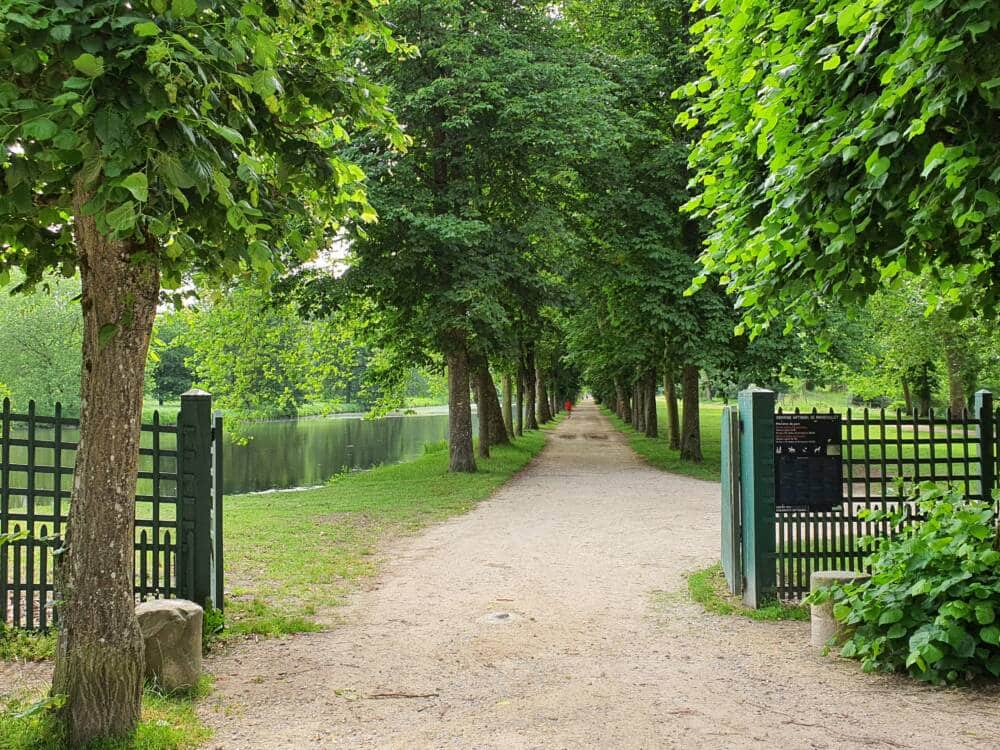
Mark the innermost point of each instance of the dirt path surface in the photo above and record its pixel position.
(555, 616)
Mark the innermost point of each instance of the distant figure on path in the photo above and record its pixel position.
(569, 409)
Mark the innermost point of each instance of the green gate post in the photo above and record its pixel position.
(984, 413)
(194, 498)
(757, 495)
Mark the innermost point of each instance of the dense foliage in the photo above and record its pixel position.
(932, 603)
(843, 142)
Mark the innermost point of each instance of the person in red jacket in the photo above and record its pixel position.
(569, 409)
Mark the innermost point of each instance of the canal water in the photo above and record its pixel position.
(305, 452)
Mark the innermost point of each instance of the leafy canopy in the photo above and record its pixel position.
(211, 126)
(843, 142)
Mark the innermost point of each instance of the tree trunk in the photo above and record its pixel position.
(460, 456)
(507, 407)
(498, 428)
(99, 654)
(480, 374)
(529, 390)
(520, 399)
(623, 406)
(649, 400)
(907, 396)
(956, 361)
(639, 407)
(544, 414)
(673, 418)
(691, 429)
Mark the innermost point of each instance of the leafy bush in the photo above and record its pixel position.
(931, 605)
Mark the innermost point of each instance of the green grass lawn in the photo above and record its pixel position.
(169, 722)
(657, 450)
(708, 588)
(293, 557)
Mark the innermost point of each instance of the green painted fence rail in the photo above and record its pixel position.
(782, 547)
(178, 507)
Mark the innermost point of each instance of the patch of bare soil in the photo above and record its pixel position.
(554, 616)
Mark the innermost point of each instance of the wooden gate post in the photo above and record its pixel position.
(194, 498)
(757, 495)
(983, 407)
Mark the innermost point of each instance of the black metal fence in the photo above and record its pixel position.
(178, 526)
(880, 450)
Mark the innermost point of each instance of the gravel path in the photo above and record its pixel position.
(555, 616)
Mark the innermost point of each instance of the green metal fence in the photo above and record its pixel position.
(178, 507)
(881, 451)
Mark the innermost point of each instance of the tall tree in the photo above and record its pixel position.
(142, 142)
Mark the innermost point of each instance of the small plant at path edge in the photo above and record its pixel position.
(930, 607)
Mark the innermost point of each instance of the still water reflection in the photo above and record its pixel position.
(303, 452)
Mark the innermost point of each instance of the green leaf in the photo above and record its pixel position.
(832, 62)
(990, 634)
(137, 184)
(123, 218)
(890, 616)
(89, 65)
(183, 8)
(61, 33)
(146, 29)
(985, 614)
(41, 130)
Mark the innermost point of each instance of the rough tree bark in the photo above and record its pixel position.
(623, 405)
(498, 427)
(460, 458)
(691, 429)
(99, 655)
(542, 399)
(649, 401)
(639, 407)
(520, 399)
(529, 389)
(673, 418)
(507, 406)
(480, 374)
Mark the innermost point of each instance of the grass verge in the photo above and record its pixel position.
(708, 588)
(293, 557)
(21, 645)
(169, 722)
(656, 451)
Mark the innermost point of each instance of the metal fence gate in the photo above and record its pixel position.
(781, 546)
(178, 525)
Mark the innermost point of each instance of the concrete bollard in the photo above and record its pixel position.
(171, 630)
(825, 628)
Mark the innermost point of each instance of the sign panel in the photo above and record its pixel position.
(808, 462)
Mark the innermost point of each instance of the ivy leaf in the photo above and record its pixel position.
(990, 634)
(137, 184)
(89, 65)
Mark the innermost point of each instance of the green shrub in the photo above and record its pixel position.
(931, 605)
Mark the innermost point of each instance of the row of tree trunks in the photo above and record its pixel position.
(520, 397)
(506, 389)
(542, 399)
(624, 409)
(649, 401)
(530, 417)
(495, 417)
(673, 418)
